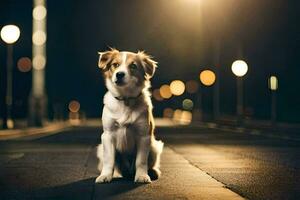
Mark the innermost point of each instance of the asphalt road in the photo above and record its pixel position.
(63, 166)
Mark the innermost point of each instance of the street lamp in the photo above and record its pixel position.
(9, 34)
(37, 113)
(239, 69)
(207, 78)
(273, 86)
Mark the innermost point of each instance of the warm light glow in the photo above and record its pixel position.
(239, 68)
(39, 38)
(207, 77)
(177, 87)
(165, 91)
(186, 117)
(24, 64)
(39, 12)
(74, 106)
(273, 83)
(192, 86)
(10, 34)
(10, 124)
(168, 113)
(177, 115)
(74, 118)
(156, 95)
(39, 62)
(187, 104)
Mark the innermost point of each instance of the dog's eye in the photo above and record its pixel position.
(114, 66)
(133, 66)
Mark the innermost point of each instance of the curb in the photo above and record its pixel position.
(34, 132)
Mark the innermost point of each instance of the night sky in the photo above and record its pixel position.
(180, 34)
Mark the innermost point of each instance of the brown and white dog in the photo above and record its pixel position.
(128, 143)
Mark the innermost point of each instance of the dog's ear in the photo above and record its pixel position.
(148, 63)
(106, 57)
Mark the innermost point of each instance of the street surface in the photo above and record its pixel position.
(197, 163)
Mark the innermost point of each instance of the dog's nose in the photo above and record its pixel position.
(120, 75)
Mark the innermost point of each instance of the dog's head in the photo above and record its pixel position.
(126, 72)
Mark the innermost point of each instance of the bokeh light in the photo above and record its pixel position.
(165, 91)
(10, 34)
(74, 106)
(39, 38)
(192, 86)
(39, 12)
(168, 113)
(239, 68)
(207, 77)
(24, 64)
(186, 117)
(273, 83)
(187, 104)
(39, 62)
(177, 87)
(177, 115)
(156, 95)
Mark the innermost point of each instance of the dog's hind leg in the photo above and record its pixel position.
(154, 159)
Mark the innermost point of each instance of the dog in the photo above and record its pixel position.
(128, 145)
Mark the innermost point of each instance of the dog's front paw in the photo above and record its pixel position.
(104, 178)
(142, 178)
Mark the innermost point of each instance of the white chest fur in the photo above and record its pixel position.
(123, 122)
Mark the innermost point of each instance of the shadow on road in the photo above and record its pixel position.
(82, 189)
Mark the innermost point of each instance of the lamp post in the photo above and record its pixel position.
(273, 86)
(239, 69)
(38, 98)
(207, 78)
(9, 34)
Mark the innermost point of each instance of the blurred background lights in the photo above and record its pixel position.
(39, 12)
(273, 83)
(156, 95)
(207, 77)
(168, 113)
(177, 115)
(186, 117)
(191, 86)
(165, 91)
(74, 106)
(187, 104)
(39, 62)
(39, 38)
(10, 34)
(24, 64)
(177, 87)
(239, 68)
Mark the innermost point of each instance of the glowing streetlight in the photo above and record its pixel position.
(273, 83)
(207, 77)
(239, 69)
(273, 86)
(165, 91)
(9, 34)
(177, 87)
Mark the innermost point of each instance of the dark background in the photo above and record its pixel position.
(180, 34)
